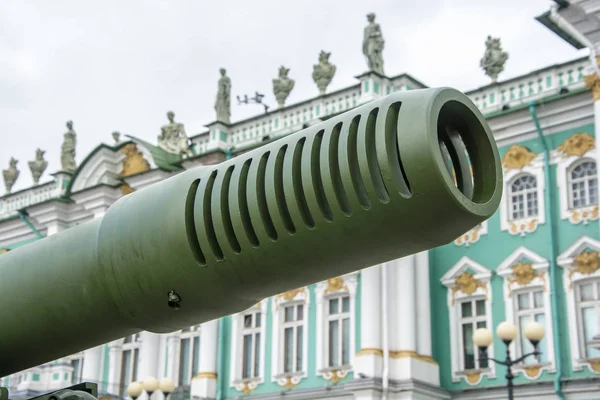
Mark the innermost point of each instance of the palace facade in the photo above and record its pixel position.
(401, 330)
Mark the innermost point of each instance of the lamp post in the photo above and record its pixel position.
(507, 332)
(150, 385)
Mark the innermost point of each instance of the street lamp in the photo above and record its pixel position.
(507, 332)
(150, 385)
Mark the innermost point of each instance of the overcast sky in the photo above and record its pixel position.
(121, 65)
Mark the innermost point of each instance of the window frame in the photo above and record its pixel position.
(190, 333)
(570, 170)
(133, 346)
(455, 296)
(236, 365)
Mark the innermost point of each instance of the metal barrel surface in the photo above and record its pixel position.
(399, 175)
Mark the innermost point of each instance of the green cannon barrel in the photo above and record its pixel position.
(403, 174)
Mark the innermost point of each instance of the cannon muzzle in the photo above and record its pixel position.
(400, 175)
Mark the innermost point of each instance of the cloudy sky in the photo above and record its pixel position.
(121, 65)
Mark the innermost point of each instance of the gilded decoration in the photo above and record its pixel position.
(595, 365)
(583, 215)
(473, 377)
(396, 354)
(369, 351)
(289, 382)
(134, 161)
(470, 237)
(291, 294)
(577, 144)
(523, 274)
(246, 387)
(517, 157)
(126, 189)
(4, 250)
(467, 284)
(532, 371)
(585, 263)
(592, 82)
(522, 228)
(335, 285)
(335, 375)
(205, 375)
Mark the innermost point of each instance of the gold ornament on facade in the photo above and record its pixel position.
(584, 215)
(585, 263)
(289, 382)
(595, 365)
(134, 161)
(246, 387)
(291, 294)
(532, 371)
(335, 285)
(335, 375)
(126, 189)
(467, 284)
(524, 227)
(577, 144)
(469, 238)
(205, 375)
(517, 157)
(473, 377)
(592, 82)
(369, 351)
(4, 250)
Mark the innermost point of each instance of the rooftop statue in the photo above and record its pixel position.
(173, 138)
(38, 166)
(282, 86)
(223, 103)
(323, 72)
(116, 136)
(373, 44)
(67, 151)
(10, 175)
(494, 58)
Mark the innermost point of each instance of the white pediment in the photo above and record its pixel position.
(583, 243)
(520, 254)
(466, 264)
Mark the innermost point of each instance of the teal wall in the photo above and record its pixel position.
(491, 250)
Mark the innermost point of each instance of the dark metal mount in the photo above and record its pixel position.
(81, 391)
(257, 99)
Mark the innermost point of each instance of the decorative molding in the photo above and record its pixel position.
(370, 351)
(291, 294)
(126, 189)
(577, 145)
(472, 236)
(335, 285)
(466, 280)
(527, 225)
(4, 250)
(134, 162)
(289, 381)
(578, 266)
(525, 270)
(564, 165)
(592, 82)
(517, 157)
(205, 375)
(246, 386)
(594, 365)
(335, 375)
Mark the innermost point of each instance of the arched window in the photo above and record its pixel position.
(523, 197)
(583, 185)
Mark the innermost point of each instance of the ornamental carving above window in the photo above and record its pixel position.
(577, 145)
(517, 157)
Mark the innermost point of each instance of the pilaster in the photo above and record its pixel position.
(92, 360)
(149, 354)
(115, 356)
(218, 136)
(372, 86)
(204, 385)
(173, 343)
(369, 360)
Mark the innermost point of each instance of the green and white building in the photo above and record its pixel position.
(401, 330)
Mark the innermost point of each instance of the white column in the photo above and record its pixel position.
(148, 359)
(204, 385)
(423, 305)
(405, 308)
(92, 359)
(173, 343)
(114, 365)
(369, 359)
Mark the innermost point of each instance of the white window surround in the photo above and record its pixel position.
(344, 285)
(524, 225)
(564, 166)
(235, 364)
(132, 344)
(525, 278)
(295, 296)
(472, 236)
(572, 275)
(477, 287)
(190, 334)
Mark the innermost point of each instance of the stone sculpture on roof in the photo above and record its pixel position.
(323, 72)
(282, 86)
(223, 103)
(494, 58)
(373, 45)
(67, 151)
(173, 138)
(38, 166)
(10, 175)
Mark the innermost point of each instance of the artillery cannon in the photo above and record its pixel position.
(400, 175)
